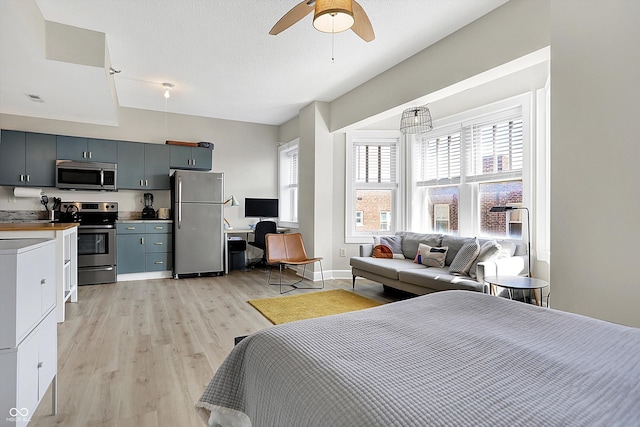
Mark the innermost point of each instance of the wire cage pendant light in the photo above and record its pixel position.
(416, 120)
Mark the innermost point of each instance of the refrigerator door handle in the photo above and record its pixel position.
(179, 202)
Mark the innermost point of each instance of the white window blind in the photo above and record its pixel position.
(438, 159)
(495, 149)
(288, 185)
(374, 163)
(293, 168)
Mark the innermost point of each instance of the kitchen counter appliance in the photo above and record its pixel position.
(96, 239)
(72, 175)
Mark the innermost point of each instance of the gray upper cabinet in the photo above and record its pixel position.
(194, 158)
(27, 159)
(143, 166)
(86, 149)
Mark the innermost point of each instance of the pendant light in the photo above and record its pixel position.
(333, 16)
(167, 89)
(416, 120)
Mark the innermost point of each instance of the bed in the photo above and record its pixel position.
(452, 358)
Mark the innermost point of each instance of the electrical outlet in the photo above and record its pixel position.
(343, 252)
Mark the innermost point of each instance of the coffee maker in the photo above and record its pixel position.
(148, 212)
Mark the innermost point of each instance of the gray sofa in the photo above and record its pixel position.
(418, 279)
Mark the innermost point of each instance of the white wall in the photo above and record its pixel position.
(595, 157)
(245, 152)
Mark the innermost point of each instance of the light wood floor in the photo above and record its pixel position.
(141, 353)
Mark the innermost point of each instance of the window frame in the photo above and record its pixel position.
(374, 137)
(468, 204)
(285, 183)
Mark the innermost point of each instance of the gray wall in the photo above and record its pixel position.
(595, 178)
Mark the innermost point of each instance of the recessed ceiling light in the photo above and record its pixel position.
(34, 98)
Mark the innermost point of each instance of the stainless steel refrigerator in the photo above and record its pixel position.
(198, 235)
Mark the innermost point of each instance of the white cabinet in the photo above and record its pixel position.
(28, 335)
(66, 257)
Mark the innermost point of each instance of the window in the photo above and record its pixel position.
(461, 170)
(372, 184)
(288, 183)
(385, 220)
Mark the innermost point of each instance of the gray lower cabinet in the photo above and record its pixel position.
(144, 247)
(143, 166)
(27, 159)
(86, 149)
(194, 158)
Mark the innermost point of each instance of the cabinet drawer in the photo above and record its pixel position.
(162, 227)
(159, 261)
(130, 228)
(158, 243)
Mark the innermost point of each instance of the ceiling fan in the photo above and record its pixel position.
(330, 16)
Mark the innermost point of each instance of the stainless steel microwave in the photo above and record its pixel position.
(72, 175)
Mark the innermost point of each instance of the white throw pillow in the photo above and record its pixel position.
(488, 252)
(431, 256)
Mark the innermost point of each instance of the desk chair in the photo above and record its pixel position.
(262, 229)
(288, 249)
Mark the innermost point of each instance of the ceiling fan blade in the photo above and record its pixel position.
(298, 12)
(362, 26)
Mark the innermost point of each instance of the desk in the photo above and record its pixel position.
(246, 232)
(518, 282)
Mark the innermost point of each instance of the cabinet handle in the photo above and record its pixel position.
(158, 243)
(159, 262)
(142, 240)
(141, 183)
(21, 178)
(189, 162)
(28, 178)
(193, 162)
(89, 154)
(146, 182)
(131, 228)
(84, 154)
(43, 281)
(158, 228)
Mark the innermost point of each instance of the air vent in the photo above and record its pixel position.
(34, 98)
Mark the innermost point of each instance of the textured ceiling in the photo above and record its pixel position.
(217, 53)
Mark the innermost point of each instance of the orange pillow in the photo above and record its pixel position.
(382, 251)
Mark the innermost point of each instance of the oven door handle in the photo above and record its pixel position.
(179, 202)
(97, 268)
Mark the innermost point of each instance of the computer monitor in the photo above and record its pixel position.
(260, 208)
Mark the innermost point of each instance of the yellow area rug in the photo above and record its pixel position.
(307, 306)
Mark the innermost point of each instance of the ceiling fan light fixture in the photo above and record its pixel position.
(333, 16)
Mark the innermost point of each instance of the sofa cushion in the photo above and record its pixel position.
(507, 250)
(439, 279)
(488, 251)
(383, 266)
(454, 243)
(394, 243)
(431, 256)
(465, 257)
(410, 242)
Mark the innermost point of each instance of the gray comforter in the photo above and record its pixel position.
(451, 358)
